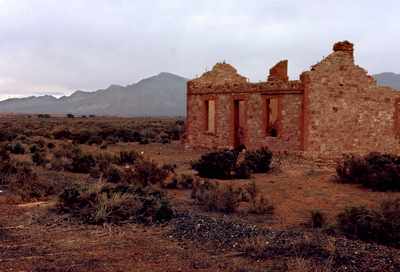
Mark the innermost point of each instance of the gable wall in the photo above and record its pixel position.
(345, 111)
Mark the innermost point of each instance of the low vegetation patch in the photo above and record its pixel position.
(224, 164)
(127, 157)
(381, 225)
(380, 172)
(214, 196)
(258, 161)
(115, 203)
(21, 180)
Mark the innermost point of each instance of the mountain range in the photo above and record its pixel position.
(388, 79)
(160, 95)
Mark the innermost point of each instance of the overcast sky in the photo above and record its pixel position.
(56, 47)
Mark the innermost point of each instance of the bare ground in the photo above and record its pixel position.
(32, 238)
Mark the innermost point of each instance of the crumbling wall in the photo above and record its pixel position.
(344, 109)
(213, 85)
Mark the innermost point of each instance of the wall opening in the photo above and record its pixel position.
(272, 116)
(210, 118)
(238, 122)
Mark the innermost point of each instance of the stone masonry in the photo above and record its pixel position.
(334, 108)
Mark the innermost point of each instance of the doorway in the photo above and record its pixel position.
(238, 122)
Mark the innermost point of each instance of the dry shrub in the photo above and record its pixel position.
(258, 161)
(380, 172)
(300, 246)
(115, 203)
(381, 225)
(260, 205)
(214, 196)
(317, 219)
(127, 157)
(147, 172)
(224, 164)
(82, 163)
(16, 148)
(113, 174)
(219, 164)
(39, 158)
(20, 180)
(182, 181)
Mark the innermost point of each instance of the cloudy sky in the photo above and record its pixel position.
(56, 47)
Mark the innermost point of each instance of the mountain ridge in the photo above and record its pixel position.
(163, 94)
(159, 95)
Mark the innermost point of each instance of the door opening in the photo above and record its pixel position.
(238, 123)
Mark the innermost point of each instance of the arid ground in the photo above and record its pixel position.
(35, 237)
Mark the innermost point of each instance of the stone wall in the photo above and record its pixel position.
(253, 96)
(334, 108)
(345, 111)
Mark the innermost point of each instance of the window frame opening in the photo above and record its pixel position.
(210, 116)
(272, 116)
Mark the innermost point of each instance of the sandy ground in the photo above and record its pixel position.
(34, 239)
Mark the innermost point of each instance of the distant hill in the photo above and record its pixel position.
(160, 95)
(388, 79)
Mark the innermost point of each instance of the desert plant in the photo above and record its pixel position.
(62, 134)
(219, 164)
(33, 148)
(260, 205)
(127, 157)
(381, 225)
(16, 148)
(242, 171)
(216, 197)
(185, 181)
(380, 172)
(259, 160)
(21, 180)
(115, 203)
(146, 172)
(45, 115)
(360, 223)
(39, 158)
(82, 163)
(113, 174)
(317, 219)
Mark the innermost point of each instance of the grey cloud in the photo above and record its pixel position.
(59, 46)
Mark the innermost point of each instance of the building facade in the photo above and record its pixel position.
(334, 108)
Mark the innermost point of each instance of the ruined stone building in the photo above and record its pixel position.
(334, 108)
